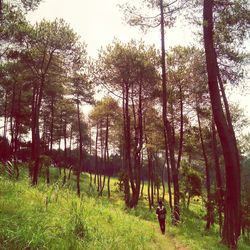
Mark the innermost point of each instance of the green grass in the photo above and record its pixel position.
(53, 217)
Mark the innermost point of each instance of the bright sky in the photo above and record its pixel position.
(98, 22)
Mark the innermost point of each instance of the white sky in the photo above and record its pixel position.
(98, 22)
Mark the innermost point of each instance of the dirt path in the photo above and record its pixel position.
(167, 241)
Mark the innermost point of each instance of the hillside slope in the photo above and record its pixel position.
(55, 218)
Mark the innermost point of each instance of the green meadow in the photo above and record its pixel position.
(54, 217)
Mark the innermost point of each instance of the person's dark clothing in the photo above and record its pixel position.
(161, 213)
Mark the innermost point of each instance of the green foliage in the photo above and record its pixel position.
(130, 64)
(191, 181)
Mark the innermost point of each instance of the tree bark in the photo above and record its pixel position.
(5, 115)
(65, 148)
(219, 188)
(138, 143)
(208, 182)
(126, 145)
(96, 158)
(167, 127)
(181, 129)
(232, 220)
(36, 107)
(79, 169)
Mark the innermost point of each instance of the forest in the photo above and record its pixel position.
(160, 127)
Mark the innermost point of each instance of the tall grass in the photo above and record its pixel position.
(53, 217)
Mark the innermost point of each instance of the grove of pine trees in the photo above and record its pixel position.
(165, 119)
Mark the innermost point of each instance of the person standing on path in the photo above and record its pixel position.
(161, 214)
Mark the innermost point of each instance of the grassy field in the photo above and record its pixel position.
(53, 217)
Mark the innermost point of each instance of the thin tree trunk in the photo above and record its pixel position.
(36, 105)
(65, 148)
(106, 157)
(17, 129)
(90, 153)
(219, 189)
(96, 159)
(142, 188)
(208, 182)
(126, 144)
(36, 131)
(163, 180)
(79, 169)
(167, 128)
(181, 129)
(5, 116)
(169, 182)
(151, 176)
(138, 143)
(12, 132)
(101, 158)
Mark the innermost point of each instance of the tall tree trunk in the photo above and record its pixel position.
(151, 164)
(106, 156)
(107, 153)
(90, 153)
(138, 143)
(163, 180)
(142, 188)
(79, 169)
(36, 106)
(102, 156)
(126, 144)
(51, 124)
(12, 115)
(149, 156)
(208, 182)
(5, 116)
(232, 218)
(96, 159)
(219, 188)
(150, 180)
(181, 129)
(36, 130)
(167, 127)
(65, 148)
(17, 132)
(51, 135)
(169, 182)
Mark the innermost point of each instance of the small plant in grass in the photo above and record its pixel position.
(79, 226)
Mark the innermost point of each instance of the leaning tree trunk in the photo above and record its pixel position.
(232, 219)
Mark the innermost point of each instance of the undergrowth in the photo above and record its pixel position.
(53, 217)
